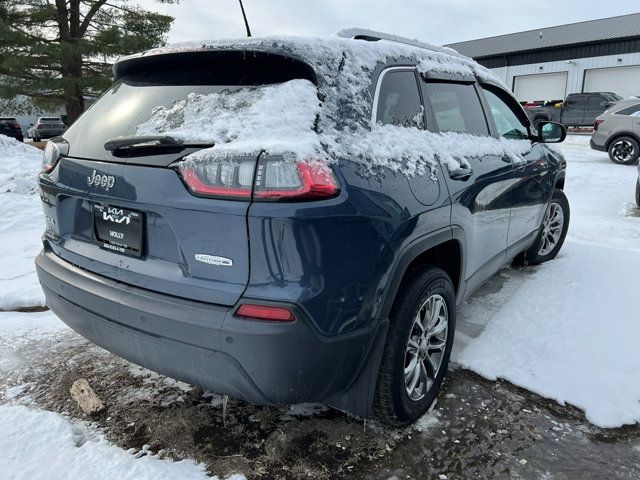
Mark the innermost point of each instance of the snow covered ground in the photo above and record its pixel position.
(570, 329)
(21, 226)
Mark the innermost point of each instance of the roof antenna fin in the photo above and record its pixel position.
(244, 15)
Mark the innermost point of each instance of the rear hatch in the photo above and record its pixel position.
(51, 124)
(9, 126)
(128, 213)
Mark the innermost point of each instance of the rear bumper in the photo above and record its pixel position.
(596, 145)
(204, 344)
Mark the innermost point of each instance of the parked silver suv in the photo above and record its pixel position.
(617, 131)
(638, 188)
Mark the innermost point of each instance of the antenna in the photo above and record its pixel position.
(244, 15)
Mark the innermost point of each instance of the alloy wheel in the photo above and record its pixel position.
(551, 228)
(623, 151)
(426, 347)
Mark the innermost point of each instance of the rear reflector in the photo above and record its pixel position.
(264, 312)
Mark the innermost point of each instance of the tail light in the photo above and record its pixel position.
(597, 124)
(225, 179)
(276, 179)
(265, 312)
(56, 148)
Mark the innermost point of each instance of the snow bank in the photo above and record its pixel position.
(19, 166)
(290, 119)
(37, 444)
(21, 226)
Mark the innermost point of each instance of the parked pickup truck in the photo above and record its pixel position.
(578, 109)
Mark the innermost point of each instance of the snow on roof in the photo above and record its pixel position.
(329, 121)
(352, 56)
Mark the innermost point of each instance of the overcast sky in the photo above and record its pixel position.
(438, 22)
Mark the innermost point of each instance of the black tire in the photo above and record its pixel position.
(536, 254)
(393, 404)
(624, 150)
(638, 193)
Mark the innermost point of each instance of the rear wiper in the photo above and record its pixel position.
(153, 141)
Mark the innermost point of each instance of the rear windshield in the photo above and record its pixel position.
(133, 99)
(51, 120)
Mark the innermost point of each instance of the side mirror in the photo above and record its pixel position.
(551, 132)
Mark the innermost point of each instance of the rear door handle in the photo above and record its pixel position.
(461, 174)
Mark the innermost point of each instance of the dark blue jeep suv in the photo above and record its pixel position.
(290, 220)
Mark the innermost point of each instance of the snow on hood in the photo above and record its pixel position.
(289, 119)
(19, 166)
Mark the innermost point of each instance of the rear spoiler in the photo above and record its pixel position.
(170, 58)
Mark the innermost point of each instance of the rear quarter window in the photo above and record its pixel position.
(632, 111)
(399, 100)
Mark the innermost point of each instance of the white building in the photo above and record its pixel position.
(549, 63)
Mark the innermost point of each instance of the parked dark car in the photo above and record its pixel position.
(46, 127)
(578, 109)
(617, 132)
(10, 127)
(278, 281)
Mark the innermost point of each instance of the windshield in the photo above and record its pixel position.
(134, 98)
(612, 97)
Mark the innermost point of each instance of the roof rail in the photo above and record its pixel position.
(374, 36)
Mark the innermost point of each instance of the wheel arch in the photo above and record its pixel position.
(443, 249)
(617, 135)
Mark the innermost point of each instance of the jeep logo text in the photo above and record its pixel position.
(100, 180)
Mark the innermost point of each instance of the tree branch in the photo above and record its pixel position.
(90, 14)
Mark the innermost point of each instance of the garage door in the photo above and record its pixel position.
(625, 81)
(540, 87)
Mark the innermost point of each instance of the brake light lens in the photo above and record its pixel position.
(265, 312)
(286, 180)
(220, 179)
(54, 149)
(597, 124)
(275, 180)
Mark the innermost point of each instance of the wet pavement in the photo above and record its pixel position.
(478, 428)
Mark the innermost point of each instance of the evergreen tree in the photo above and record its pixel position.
(56, 52)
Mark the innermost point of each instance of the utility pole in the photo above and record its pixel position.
(244, 15)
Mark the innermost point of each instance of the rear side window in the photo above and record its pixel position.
(399, 100)
(508, 124)
(456, 108)
(577, 101)
(632, 111)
